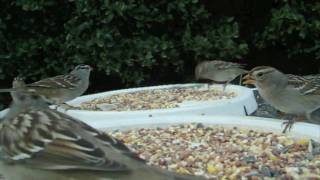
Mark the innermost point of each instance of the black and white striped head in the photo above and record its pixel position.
(18, 82)
(82, 70)
(265, 75)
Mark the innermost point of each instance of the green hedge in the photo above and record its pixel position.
(137, 40)
(120, 38)
(295, 27)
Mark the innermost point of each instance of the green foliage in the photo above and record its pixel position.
(218, 41)
(127, 39)
(295, 27)
(134, 40)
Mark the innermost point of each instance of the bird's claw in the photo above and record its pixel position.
(288, 125)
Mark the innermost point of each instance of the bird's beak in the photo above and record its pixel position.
(247, 79)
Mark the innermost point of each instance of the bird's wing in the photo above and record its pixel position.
(311, 88)
(307, 85)
(297, 81)
(63, 81)
(49, 139)
(221, 65)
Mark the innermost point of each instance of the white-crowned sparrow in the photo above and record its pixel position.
(219, 71)
(62, 88)
(39, 143)
(288, 93)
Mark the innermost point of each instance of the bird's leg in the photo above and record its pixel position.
(288, 124)
(210, 84)
(240, 80)
(224, 86)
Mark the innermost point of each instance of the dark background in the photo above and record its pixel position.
(141, 43)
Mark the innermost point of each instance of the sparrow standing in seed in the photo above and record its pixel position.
(60, 89)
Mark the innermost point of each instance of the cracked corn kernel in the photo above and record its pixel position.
(212, 169)
(303, 141)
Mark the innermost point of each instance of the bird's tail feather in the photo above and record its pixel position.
(7, 90)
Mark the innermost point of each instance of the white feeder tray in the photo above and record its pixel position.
(298, 131)
(3, 112)
(234, 106)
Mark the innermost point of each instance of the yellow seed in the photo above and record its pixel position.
(212, 169)
(303, 141)
(182, 170)
(126, 140)
(274, 158)
(224, 178)
(234, 175)
(288, 142)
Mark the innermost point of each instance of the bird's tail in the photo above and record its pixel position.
(15, 90)
(7, 90)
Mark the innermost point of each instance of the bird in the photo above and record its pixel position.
(38, 143)
(287, 93)
(60, 89)
(219, 71)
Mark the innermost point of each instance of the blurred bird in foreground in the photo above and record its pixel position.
(288, 93)
(58, 89)
(219, 71)
(39, 143)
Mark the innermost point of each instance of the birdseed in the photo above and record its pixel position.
(154, 99)
(225, 153)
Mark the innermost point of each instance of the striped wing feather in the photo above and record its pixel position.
(226, 65)
(62, 81)
(307, 85)
(65, 144)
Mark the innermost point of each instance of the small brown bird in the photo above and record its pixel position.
(39, 143)
(288, 93)
(219, 71)
(59, 89)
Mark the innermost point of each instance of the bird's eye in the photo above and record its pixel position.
(259, 74)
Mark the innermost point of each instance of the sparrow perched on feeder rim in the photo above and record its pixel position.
(59, 89)
(288, 93)
(219, 71)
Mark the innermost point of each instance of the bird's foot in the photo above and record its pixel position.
(288, 125)
(224, 86)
